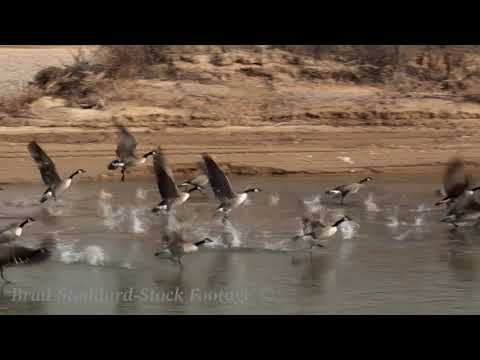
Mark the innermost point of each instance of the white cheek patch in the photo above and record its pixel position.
(18, 231)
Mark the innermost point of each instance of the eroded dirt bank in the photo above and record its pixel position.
(255, 116)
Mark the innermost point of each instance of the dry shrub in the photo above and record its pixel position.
(127, 61)
(17, 104)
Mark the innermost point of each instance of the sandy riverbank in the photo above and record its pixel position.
(285, 126)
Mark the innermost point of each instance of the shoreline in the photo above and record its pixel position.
(322, 151)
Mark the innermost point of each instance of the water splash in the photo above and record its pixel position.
(402, 236)
(313, 204)
(141, 194)
(231, 236)
(103, 195)
(111, 219)
(394, 219)
(418, 220)
(132, 254)
(274, 199)
(370, 204)
(138, 226)
(93, 255)
(348, 229)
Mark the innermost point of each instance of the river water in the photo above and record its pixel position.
(394, 257)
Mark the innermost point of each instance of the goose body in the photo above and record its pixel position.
(21, 255)
(126, 153)
(455, 182)
(464, 208)
(55, 185)
(318, 232)
(13, 231)
(178, 246)
(344, 190)
(222, 188)
(199, 183)
(171, 195)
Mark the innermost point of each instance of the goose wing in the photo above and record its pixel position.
(463, 204)
(127, 144)
(220, 184)
(200, 180)
(45, 165)
(23, 255)
(166, 186)
(455, 182)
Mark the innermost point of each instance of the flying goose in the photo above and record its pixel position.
(222, 188)
(455, 182)
(23, 256)
(171, 196)
(466, 207)
(199, 183)
(13, 231)
(177, 245)
(345, 190)
(49, 174)
(320, 231)
(125, 152)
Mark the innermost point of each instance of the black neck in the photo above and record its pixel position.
(363, 181)
(148, 154)
(476, 189)
(249, 190)
(23, 223)
(339, 222)
(74, 174)
(195, 188)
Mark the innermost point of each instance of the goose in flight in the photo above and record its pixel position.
(222, 188)
(344, 190)
(23, 256)
(55, 185)
(126, 152)
(171, 195)
(178, 246)
(199, 183)
(466, 207)
(455, 181)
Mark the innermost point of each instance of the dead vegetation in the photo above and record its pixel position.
(105, 76)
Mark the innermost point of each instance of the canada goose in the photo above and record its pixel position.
(178, 245)
(465, 208)
(49, 173)
(23, 256)
(126, 148)
(171, 196)
(345, 190)
(455, 182)
(321, 231)
(199, 183)
(12, 232)
(222, 188)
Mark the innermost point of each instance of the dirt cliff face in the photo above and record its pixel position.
(263, 112)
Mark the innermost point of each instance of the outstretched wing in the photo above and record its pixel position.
(8, 227)
(126, 144)
(166, 186)
(219, 182)
(45, 165)
(455, 182)
(23, 255)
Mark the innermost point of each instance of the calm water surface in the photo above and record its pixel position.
(395, 258)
